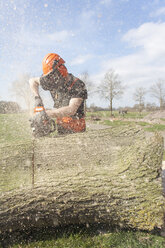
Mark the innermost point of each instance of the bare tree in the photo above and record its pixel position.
(151, 106)
(21, 90)
(139, 97)
(84, 76)
(111, 88)
(157, 90)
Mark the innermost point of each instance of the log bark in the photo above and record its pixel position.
(107, 176)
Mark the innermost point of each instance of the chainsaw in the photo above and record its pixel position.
(41, 123)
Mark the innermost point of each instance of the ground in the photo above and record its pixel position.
(144, 239)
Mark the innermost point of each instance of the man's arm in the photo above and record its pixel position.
(67, 110)
(34, 85)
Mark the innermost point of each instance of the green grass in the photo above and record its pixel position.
(14, 127)
(146, 126)
(131, 115)
(113, 123)
(106, 114)
(142, 123)
(87, 238)
(155, 127)
(163, 155)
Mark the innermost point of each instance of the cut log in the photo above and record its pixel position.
(108, 176)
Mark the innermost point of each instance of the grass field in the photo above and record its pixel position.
(127, 119)
(15, 128)
(88, 238)
(106, 114)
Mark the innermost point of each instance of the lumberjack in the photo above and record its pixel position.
(68, 92)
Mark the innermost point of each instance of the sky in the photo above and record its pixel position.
(127, 36)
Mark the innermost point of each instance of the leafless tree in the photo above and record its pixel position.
(21, 90)
(157, 91)
(151, 106)
(84, 76)
(111, 87)
(139, 96)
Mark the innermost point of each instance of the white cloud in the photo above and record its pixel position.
(150, 37)
(145, 65)
(106, 2)
(26, 37)
(81, 59)
(87, 20)
(158, 12)
(149, 58)
(28, 48)
(59, 36)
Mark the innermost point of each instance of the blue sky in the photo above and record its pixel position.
(91, 35)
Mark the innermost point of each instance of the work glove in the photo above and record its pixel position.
(38, 102)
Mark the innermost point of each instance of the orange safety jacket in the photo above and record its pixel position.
(73, 125)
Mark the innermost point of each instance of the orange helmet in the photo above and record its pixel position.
(53, 61)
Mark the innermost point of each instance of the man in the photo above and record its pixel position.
(68, 92)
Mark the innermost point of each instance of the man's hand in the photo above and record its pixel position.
(41, 124)
(38, 101)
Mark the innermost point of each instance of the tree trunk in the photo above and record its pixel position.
(161, 103)
(111, 106)
(106, 176)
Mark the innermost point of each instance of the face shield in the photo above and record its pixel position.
(51, 81)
